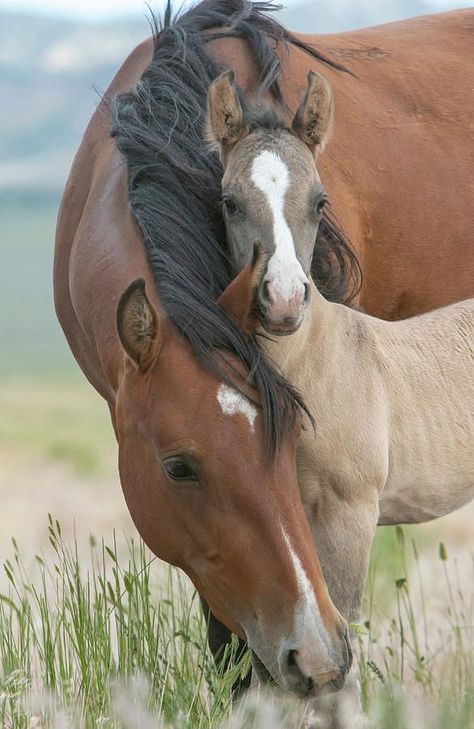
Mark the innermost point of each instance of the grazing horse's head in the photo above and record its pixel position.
(205, 496)
(271, 190)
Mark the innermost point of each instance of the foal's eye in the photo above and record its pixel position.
(320, 204)
(229, 205)
(179, 469)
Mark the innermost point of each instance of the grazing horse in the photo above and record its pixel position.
(205, 495)
(206, 428)
(393, 401)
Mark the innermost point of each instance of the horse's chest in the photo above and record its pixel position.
(342, 464)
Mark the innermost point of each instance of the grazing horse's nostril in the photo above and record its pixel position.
(306, 293)
(348, 649)
(302, 683)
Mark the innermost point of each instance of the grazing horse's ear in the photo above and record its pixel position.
(313, 120)
(137, 324)
(225, 118)
(239, 299)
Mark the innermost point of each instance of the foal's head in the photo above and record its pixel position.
(204, 496)
(271, 190)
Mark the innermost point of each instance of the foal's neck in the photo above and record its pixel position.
(324, 323)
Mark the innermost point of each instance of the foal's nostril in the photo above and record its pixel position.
(264, 292)
(306, 293)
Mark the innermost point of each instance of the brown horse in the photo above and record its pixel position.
(205, 496)
(207, 430)
(403, 127)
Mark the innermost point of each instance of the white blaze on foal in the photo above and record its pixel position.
(233, 402)
(270, 175)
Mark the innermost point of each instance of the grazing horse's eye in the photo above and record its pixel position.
(179, 470)
(229, 205)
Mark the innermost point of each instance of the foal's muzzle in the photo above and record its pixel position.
(280, 315)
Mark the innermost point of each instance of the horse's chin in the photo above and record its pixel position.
(280, 330)
(268, 680)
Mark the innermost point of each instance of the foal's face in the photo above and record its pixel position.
(203, 497)
(272, 195)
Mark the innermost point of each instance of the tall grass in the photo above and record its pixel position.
(123, 644)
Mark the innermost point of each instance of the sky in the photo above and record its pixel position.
(82, 8)
(104, 8)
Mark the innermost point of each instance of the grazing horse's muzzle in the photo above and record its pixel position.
(282, 315)
(302, 674)
(296, 676)
(304, 681)
(314, 658)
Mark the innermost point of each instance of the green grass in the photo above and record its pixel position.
(116, 645)
(81, 644)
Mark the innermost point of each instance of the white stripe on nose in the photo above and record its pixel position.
(308, 624)
(270, 175)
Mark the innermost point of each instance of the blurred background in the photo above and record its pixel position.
(57, 450)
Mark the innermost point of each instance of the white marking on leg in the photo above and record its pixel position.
(233, 402)
(271, 176)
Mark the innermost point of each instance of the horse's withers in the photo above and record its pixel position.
(205, 496)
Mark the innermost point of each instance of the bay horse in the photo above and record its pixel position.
(206, 428)
(173, 185)
(207, 495)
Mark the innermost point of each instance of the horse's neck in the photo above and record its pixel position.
(327, 335)
(338, 344)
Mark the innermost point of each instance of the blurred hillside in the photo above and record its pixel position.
(52, 71)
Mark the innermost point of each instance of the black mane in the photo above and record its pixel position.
(175, 189)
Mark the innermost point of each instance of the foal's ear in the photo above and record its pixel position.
(225, 118)
(239, 299)
(313, 120)
(137, 324)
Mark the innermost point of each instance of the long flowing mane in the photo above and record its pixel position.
(174, 189)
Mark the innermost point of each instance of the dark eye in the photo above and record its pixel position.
(179, 470)
(320, 204)
(229, 205)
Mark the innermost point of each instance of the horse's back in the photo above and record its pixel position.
(399, 165)
(95, 232)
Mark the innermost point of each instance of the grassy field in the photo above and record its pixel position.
(96, 635)
(108, 645)
(102, 635)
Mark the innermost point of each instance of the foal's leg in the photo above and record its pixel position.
(219, 639)
(343, 534)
